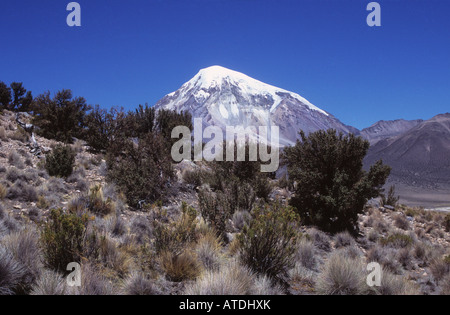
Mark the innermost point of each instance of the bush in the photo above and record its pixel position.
(268, 244)
(60, 161)
(141, 172)
(15, 159)
(97, 204)
(63, 239)
(397, 240)
(391, 199)
(342, 275)
(332, 188)
(21, 191)
(401, 222)
(60, 118)
(344, 239)
(306, 254)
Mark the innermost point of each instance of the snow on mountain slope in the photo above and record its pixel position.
(224, 97)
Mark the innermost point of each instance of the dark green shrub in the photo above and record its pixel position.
(268, 244)
(140, 171)
(60, 161)
(391, 199)
(62, 239)
(332, 187)
(61, 117)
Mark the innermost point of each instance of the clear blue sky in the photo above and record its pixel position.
(137, 51)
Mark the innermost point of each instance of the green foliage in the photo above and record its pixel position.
(167, 120)
(62, 117)
(268, 244)
(60, 161)
(141, 171)
(391, 199)
(62, 239)
(332, 188)
(143, 120)
(5, 96)
(99, 128)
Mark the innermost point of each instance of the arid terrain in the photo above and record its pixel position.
(126, 253)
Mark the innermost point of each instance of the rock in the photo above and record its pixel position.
(17, 207)
(390, 208)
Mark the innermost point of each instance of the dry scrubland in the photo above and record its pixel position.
(171, 248)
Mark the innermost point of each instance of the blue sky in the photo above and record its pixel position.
(136, 51)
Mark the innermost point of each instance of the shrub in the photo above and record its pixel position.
(391, 199)
(60, 118)
(21, 191)
(342, 275)
(439, 269)
(167, 120)
(241, 219)
(397, 240)
(265, 286)
(268, 243)
(215, 210)
(97, 204)
(344, 239)
(180, 267)
(60, 161)
(63, 239)
(332, 187)
(401, 222)
(141, 172)
(15, 159)
(232, 279)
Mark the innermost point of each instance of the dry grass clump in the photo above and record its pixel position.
(49, 283)
(3, 191)
(264, 286)
(15, 159)
(13, 274)
(306, 254)
(181, 267)
(231, 279)
(320, 239)
(21, 191)
(394, 285)
(342, 275)
(208, 251)
(344, 239)
(139, 284)
(401, 222)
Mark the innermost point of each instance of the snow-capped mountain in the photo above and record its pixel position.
(223, 97)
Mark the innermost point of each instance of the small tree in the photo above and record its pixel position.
(167, 120)
(141, 170)
(391, 199)
(332, 187)
(62, 117)
(5, 96)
